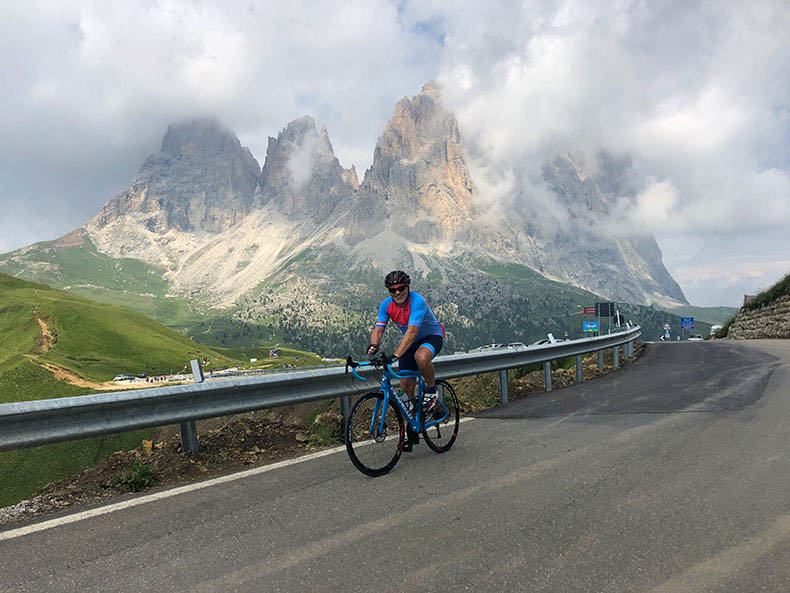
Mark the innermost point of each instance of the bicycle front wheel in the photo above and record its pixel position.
(440, 427)
(374, 450)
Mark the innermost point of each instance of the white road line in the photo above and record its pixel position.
(111, 508)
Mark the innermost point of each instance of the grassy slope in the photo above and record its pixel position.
(83, 270)
(767, 297)
(709, 315)
(94, 340)
(133, 284)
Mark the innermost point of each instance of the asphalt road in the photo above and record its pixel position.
(672, 474)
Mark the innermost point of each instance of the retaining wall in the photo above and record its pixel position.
(768, 321)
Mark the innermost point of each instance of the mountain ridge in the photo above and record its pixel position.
(221, 229)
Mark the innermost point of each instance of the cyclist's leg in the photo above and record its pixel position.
(424, 358)
(407, 363)
(427, 349)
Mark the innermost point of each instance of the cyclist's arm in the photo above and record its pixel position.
(375, 336)
(381, 323)
(406, 341)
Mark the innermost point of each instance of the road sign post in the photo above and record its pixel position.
(686, 323)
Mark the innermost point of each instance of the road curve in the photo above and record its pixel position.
(671, 474)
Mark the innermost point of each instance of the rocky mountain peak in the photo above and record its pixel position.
(201, 180)
(193, 137)
(301, 176)
(419, 172)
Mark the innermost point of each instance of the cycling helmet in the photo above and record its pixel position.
(396, 277)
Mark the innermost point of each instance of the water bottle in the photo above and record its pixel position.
(401, 395)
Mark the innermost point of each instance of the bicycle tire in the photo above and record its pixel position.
(371, 456)
(437, 437)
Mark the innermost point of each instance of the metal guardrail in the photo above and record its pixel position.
(32, 423)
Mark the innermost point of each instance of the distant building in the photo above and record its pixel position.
(748, 297)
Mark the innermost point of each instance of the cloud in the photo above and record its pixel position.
(300, 161)
(653, 207)
(90, 87)
(696, 93)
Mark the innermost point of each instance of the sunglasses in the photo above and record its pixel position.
(397, 289)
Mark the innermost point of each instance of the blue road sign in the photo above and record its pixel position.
(589, 326)
(686, 323)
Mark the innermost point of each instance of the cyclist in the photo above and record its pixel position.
(421, 341)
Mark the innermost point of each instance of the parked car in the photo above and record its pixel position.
(124, 378)
(695, 338)
(487, 347)
(541, 342)
(515, 345)
(142, 376)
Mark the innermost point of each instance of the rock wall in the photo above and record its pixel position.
(769, 321)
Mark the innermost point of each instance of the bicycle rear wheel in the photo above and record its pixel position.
(441, 423)
(374, 451)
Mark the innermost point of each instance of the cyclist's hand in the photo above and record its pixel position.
(388, 359)
(372, 349)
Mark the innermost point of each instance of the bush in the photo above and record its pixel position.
(327, 429)
(766, 297)
(725, 329)
(136, 478)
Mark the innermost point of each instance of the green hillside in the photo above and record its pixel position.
(708, 315)
(75, 265)
(93, 341)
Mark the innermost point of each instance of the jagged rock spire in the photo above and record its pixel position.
(301, 176)
(201, 180)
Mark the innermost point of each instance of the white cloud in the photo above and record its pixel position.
(654, 205)
(90, 87)
(695, 92)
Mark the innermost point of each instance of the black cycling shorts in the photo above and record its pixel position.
(434, 343)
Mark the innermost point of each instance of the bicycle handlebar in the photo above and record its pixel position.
(377, 362)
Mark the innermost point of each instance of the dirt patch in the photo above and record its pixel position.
(259, 438)
(68, 376)
(62, 374)
(48, 340)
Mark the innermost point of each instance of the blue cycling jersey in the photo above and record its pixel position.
(415, 312)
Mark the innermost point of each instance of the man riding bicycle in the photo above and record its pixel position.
(421, 341)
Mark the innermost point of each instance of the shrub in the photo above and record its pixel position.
(327, 429)
(135, 478)
(780, 288)
(725, 329)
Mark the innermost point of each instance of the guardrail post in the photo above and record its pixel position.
(188, 430)
(547, 375)
(503, 385)
(579, 374)
(345, 407)
(616, 355)
(600, 361)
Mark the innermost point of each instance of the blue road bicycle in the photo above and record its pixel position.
(375, 431)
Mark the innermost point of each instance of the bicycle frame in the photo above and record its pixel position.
(415, 422)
